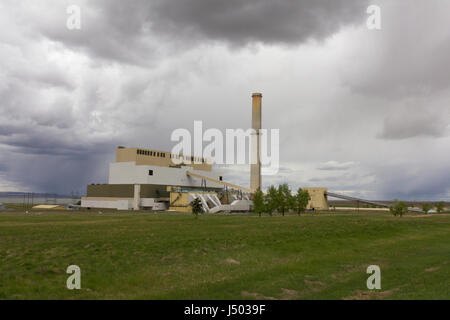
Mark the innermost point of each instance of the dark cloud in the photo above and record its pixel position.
(415, 182)
(51, 159)
(240, 22)
(139, 69)
(60, 174)
(407, 125)
(38, 143)
(129, 31)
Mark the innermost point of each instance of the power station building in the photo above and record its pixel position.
(158, 180)
(144, 178)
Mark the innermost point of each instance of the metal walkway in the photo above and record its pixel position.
(340, 196)
(202, 177)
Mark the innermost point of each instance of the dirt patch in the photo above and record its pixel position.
(435, 268)
(171, 258)
(418, 216)
(315, 285)
(232, 261)
(435, 214)
(346, 271)
(255, 295)
(369, 295)
(288, 294)
(432, 269)
(48, 270)
(339, 276)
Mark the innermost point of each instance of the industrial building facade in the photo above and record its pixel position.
(143, 179)
(158, 180)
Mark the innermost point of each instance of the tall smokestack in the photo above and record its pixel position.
(255, 166)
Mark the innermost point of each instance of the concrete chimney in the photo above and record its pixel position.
(255, 166)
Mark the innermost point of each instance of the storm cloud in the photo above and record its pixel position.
(132, 31)
(241, 22)
(361, 112)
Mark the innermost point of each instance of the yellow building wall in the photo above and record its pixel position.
(319, 200)
(179, 201)
(159, 158)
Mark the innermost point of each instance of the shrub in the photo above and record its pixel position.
(258, 202)
(440, 206)
(197, 206)
(284, 198)
(301, 200)
(270, 200)
(399, 208)
(426, 207)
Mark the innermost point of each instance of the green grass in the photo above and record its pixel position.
(15, 206)
(175, 256)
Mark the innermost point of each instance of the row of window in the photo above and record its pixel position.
(151, 153)
(191, 158)
(172, 156)
(150, 173)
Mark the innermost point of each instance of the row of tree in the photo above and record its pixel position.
(399, 208)
(280, 200)
(426, 206)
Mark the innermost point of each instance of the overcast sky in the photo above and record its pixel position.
(362, 112)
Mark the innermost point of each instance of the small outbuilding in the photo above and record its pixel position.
(48, 207)
(2, 206)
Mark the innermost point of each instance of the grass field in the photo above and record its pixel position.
(175, 256)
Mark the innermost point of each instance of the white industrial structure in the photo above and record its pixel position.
(131, 173)
(150, 179)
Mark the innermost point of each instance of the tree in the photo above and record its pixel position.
(258, 202)
(283, 198)
(301, 200)
(399, 208)
(440, 207)
(426, 207)
(197, 206)
(270, 200)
